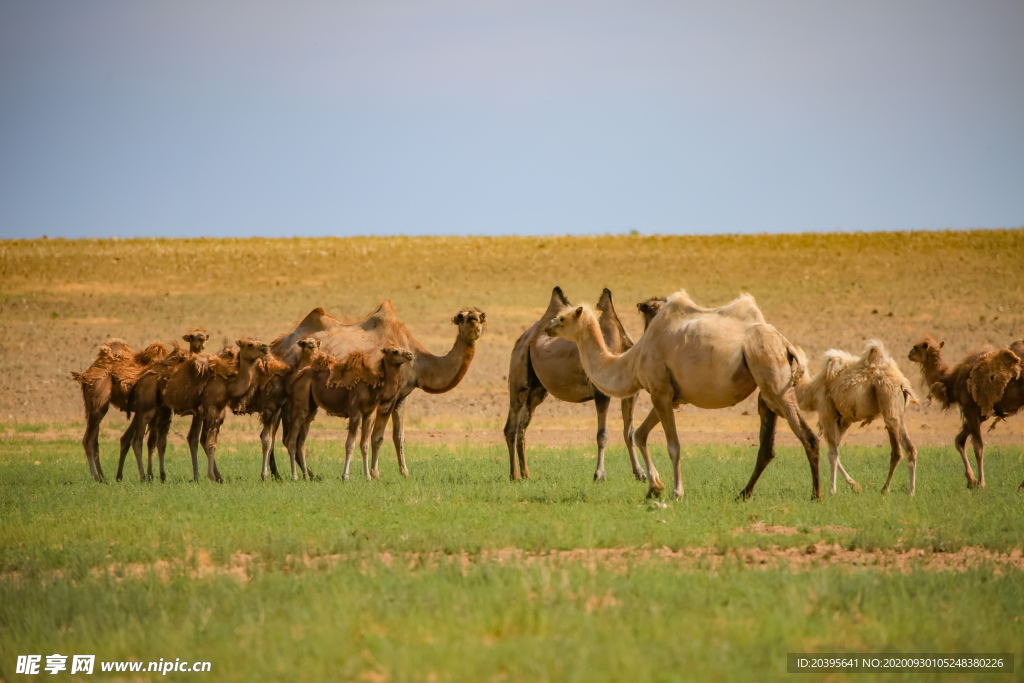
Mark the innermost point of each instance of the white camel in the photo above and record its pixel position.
(708, 357)
(850, 389)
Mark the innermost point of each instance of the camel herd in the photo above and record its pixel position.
(707, 357)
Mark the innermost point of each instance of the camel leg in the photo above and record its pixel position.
(127, 439)
(210, 432)
(537, 395)
(654, 485)
(960, 442)
(154, 431)
(284, 417)
(834, 436)
(791, 411)
(766, 445)
(91, 441)
(894, 458)
(163, 428)
(512, 425)
(911, 451)
(193, 444)
(377, 439)
(601, 402)
(364, 439)
(663, 405)
(350, 444)
(398, 434)
(267, 444)
(979, 450)
(300, 449)
(628, 406)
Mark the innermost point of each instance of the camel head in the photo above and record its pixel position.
(472, 322)
(309, 347)
(196, 339)
(569, 321)
(394, 355)
(648, 309)
(929, 346)
(252, 350)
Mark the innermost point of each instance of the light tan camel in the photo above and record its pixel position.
(708, 357)
(985, 383)
(433, 374)
(109, 381)
(543, 365)
(848, 390)
(354, 388)
(202, 386)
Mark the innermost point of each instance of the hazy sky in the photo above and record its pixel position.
(549, 117)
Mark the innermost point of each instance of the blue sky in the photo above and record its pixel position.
(489, 117)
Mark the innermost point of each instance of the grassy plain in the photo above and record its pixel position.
(455, 573)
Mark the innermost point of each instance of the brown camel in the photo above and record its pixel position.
(848, 390)
(711, 358)
(433, 374)
(648, 309)
(110, 380)
(354, 388)
(543, 365)
(985, 383)
(203, 386)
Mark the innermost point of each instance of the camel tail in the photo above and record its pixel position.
(78, 377)
(874, 353)
(797, 362)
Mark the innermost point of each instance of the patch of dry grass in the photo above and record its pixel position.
(60, 299)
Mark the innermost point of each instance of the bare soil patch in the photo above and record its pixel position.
(244, 566)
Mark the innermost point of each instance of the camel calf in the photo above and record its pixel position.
(201, 385)
(985, 383)
(849, 389)
(354, 388)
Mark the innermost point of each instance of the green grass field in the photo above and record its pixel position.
(399, 579)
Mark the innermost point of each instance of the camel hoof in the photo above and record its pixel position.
(856, 487)
(655, 491)
(600, 476)
(344, 477)
(265, 477)
(640, 476)
(744, 495)
(374, 474)
(405, 473)
(163, 477)
(972, 484)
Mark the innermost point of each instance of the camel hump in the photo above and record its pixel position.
(744, 308)
(874, 353)
(680, 302)
(354, 368)
(989, 377)
(836, 361)
(316, 320)
(614, 333)
(154, 352)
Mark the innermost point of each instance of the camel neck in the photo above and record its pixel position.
(438, 374)
(935, 370)
(240, 383)
(611, 373)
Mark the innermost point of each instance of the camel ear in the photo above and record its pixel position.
(239, 343)
(942, 343)
(457, 320)
(579, 311)
(187, 337)
(483, 317)
(640, 307)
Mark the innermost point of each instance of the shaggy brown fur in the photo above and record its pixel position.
(850, 389)
(354, 388)
(109, 381)
(984, 383)
(201, 385)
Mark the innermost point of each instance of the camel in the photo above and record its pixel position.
(202, 385)
(985, 383)
(354, 388)
(433, 374)
(648, 309)
(266, 398)
(849, 389)
(708, 357)
(110, 380)
(543, 365)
